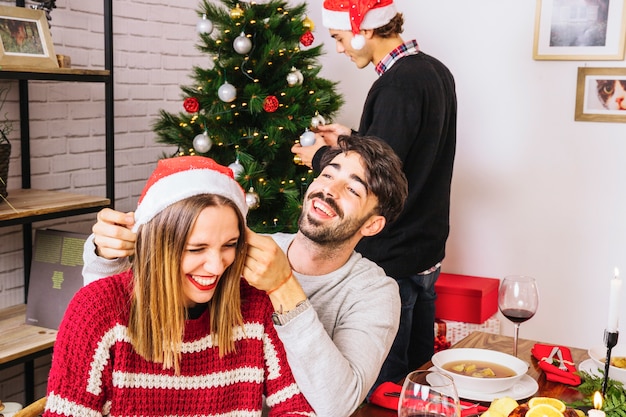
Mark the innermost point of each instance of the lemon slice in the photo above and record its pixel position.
(544, 410)
(556, 403)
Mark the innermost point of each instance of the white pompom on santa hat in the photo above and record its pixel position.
(176, 179)
(357, 15)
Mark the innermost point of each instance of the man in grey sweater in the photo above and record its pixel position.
(337, 313)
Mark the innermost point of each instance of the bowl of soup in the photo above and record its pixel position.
(617, 368)
(480, 370)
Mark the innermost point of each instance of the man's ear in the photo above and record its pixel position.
(373, 225)
(367, 33)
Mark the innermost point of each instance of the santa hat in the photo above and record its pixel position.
(176, 179)
(355, 15)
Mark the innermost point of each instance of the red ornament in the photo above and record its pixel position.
(307, 39)
(191, 104)
(270, 104)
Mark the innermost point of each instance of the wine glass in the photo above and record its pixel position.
(428, 394)
(518, 300)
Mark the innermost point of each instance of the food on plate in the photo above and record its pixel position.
(543, 410)
(479, 369)
(535, 407)
(554, 402)
(504, 405)
(618, 361)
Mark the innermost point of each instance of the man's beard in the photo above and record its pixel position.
(325, 234)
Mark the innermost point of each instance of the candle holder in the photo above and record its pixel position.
(610, 340)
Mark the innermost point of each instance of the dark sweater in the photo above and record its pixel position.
(412, 107)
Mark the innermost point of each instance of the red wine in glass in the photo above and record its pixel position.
(517, 315)
(518, 300)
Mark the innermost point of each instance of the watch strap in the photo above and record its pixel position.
(284, 318)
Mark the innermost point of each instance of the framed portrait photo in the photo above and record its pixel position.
(25, 39)
(601, 95)
(580, 30)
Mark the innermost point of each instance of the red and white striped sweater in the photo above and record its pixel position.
(95, 370)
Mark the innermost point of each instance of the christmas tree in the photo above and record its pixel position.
(260, 96)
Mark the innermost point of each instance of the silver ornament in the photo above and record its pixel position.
(252, 199)
(227, 92)
(204, 25)
(294, 77)
(307, 138)
(242, 44)
(202, 143)
(317, 120)
(237, 168)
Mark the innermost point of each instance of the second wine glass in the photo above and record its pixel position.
(518, 300)
(428, 393)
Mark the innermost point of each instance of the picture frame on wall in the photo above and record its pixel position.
(25, 40)
(601, 95)
(580, 30)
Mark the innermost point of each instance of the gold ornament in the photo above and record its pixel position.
(236, 13)
(297, 160)
(308, 24)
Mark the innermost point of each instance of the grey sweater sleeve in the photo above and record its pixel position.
(95, 267)
(336, 363)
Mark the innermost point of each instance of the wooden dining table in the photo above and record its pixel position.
(502, 344)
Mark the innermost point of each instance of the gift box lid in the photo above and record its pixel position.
(465, 285)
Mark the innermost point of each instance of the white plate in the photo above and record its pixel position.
(591, 367)
(523, 389)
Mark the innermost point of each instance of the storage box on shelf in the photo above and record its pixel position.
(465, 298)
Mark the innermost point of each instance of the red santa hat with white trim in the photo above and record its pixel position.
(355, 15)
(176, 179)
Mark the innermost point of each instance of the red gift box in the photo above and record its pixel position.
(465, 298)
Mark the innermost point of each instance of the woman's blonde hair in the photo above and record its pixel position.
(157, 311)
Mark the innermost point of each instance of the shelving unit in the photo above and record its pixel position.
(30, 205)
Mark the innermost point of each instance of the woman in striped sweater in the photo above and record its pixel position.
(180, 333)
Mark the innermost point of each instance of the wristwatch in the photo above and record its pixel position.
(280, 319)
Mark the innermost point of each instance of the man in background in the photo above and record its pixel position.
(411, 106)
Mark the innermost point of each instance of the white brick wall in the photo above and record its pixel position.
(154, 51)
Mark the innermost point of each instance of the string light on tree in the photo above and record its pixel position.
(236, 13)
(204, 25)
(242, 44)
(294, 77)
(227, 92)
(202, 142)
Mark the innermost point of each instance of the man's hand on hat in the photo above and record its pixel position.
(266, 264)
(113, 236)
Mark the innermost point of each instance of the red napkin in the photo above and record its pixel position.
(387, 395)
(550, 357)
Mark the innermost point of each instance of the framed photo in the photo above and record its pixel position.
(580, 30)
(601, 95)
(25, 39)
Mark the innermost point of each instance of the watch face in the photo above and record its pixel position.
(276, 319)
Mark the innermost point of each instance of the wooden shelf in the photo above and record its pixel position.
(28, 205)
(59, 74)
(19, 340)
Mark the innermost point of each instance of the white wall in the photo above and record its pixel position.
(534, 192)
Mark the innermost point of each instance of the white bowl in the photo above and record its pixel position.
(480, 384)
(597, 355)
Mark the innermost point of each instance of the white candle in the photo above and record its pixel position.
(597, 403)
(616, 287)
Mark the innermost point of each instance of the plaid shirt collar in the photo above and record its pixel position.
(406, 49)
